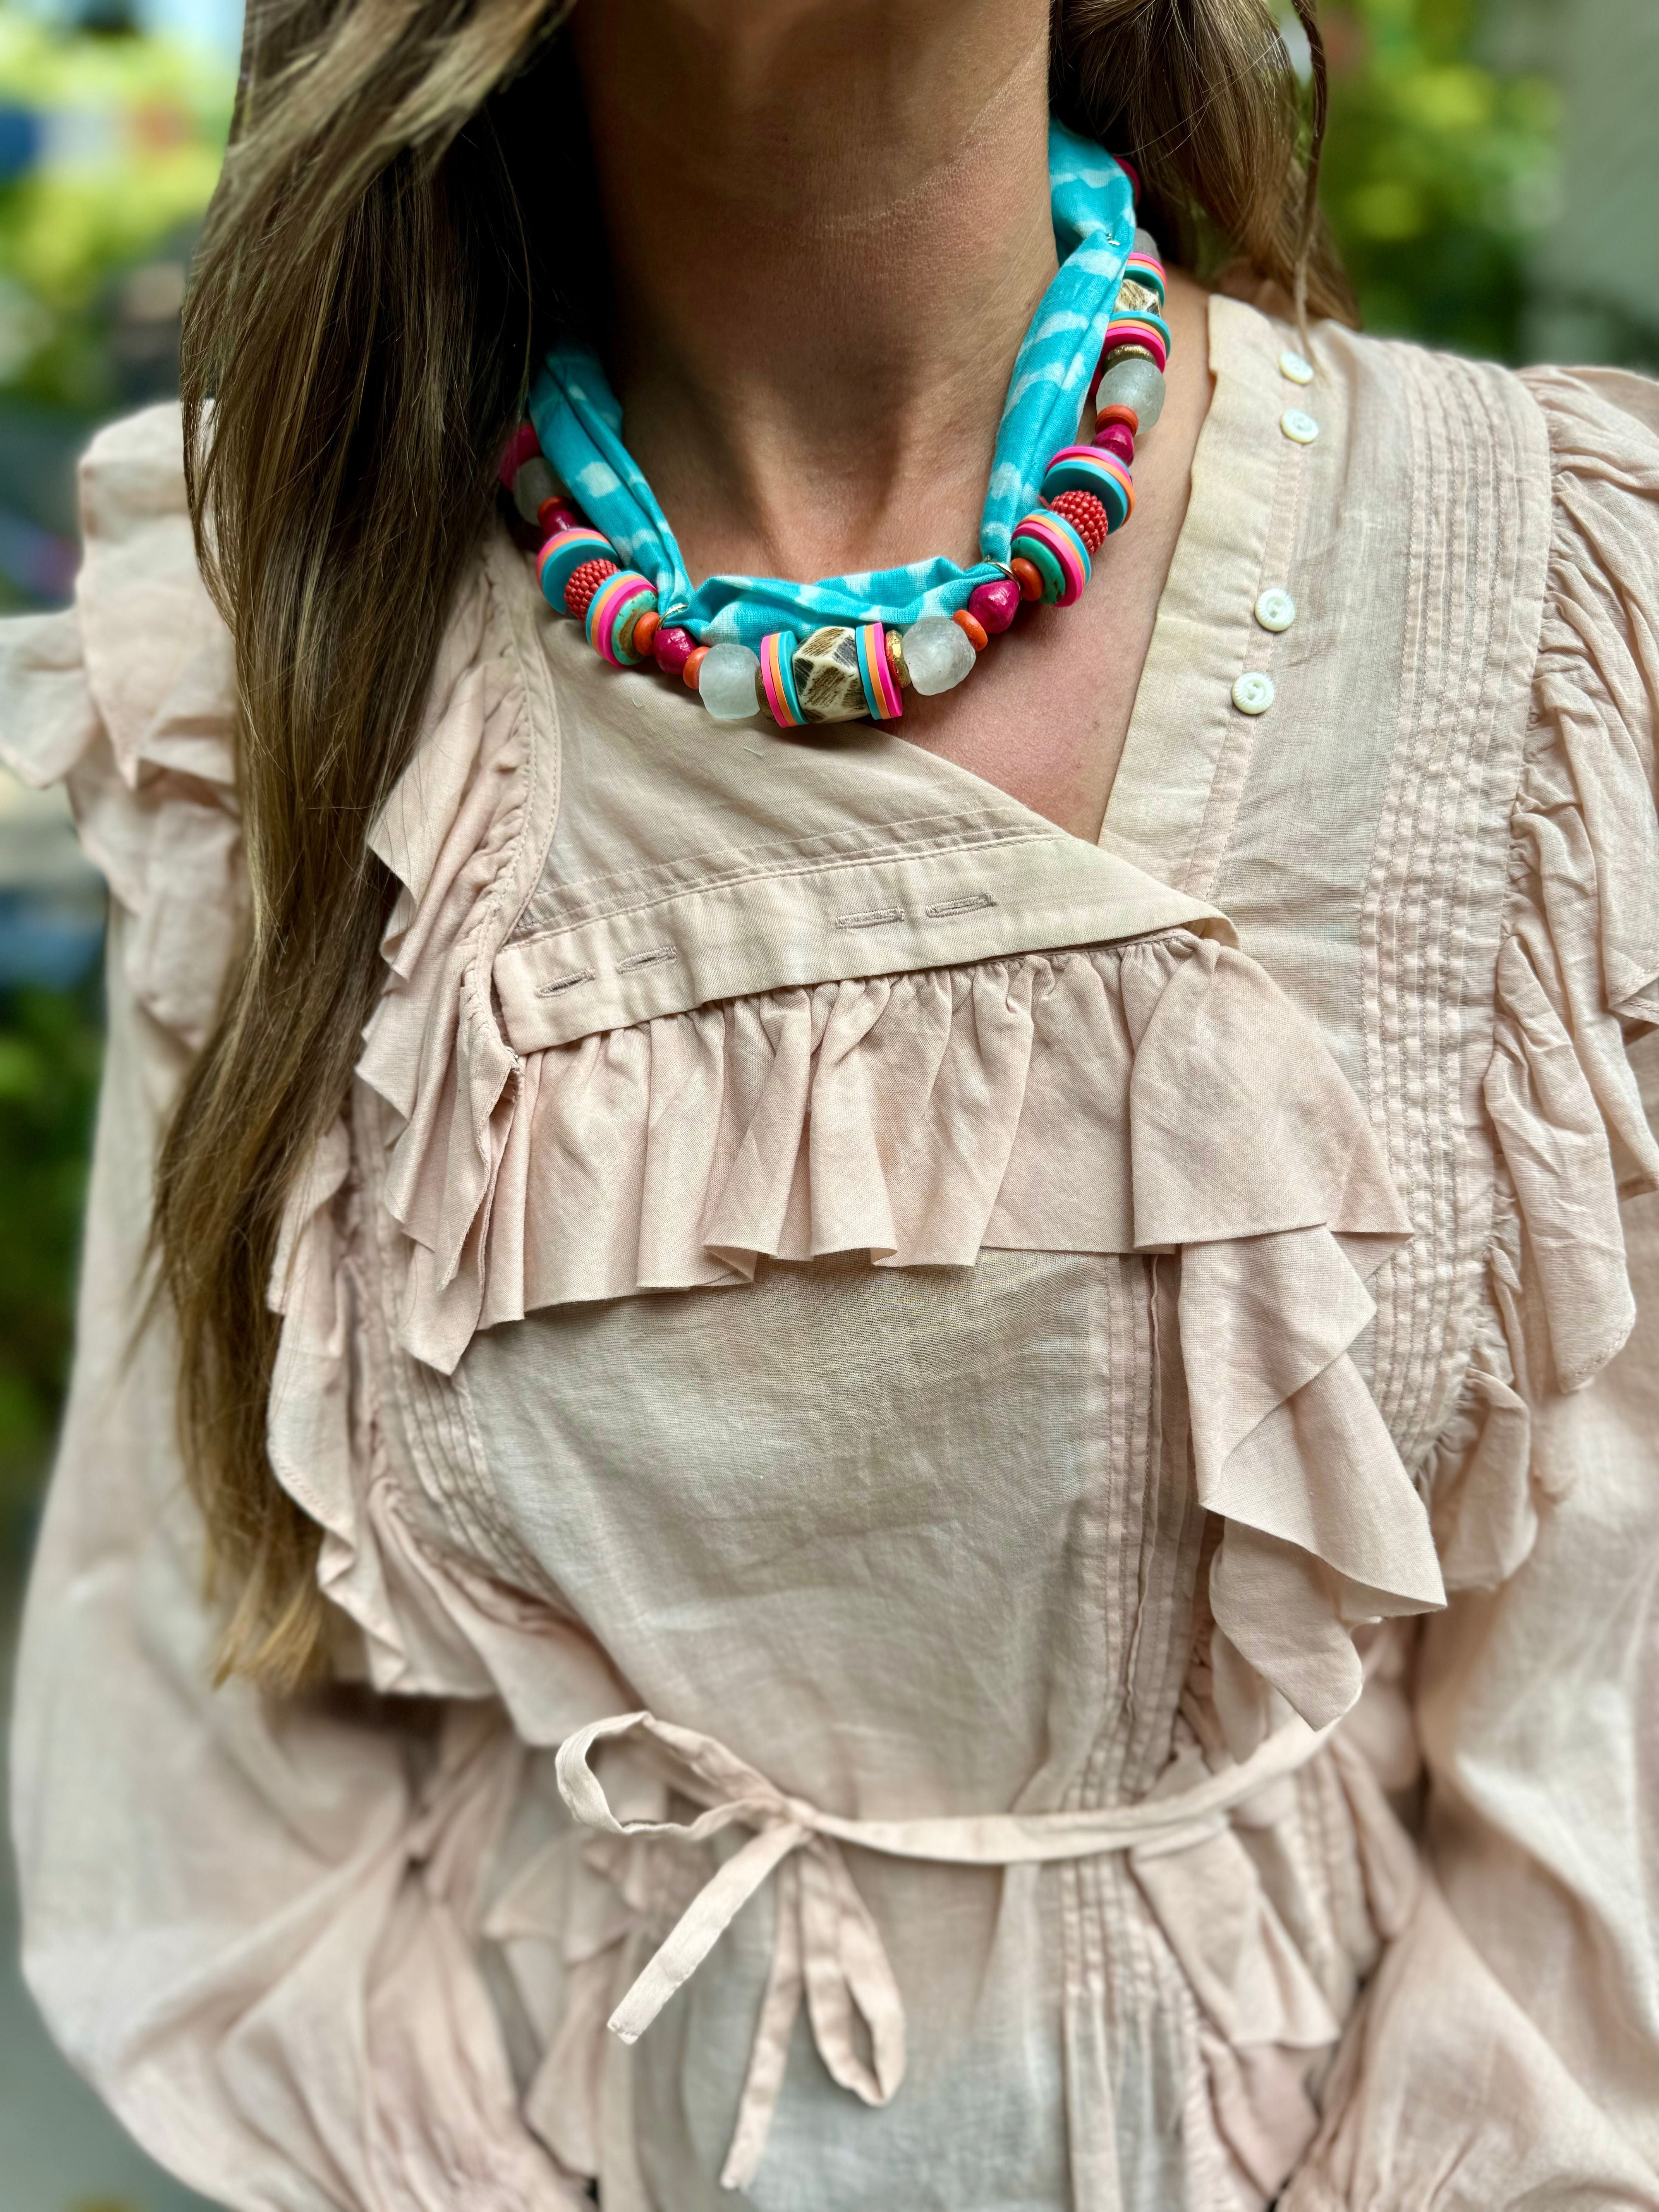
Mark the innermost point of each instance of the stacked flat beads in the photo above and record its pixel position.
(565, 551)
(1058, 554)
(614, 611)
(1093, 469)
(1147, 332)
(777, 676)
(1145, 269)
(882, 695)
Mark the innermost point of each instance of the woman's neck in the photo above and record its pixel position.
(828, 228)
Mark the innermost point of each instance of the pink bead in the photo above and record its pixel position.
(554, 516)
(1114, 439)
(520, 447)
(994, 606)
(673, 647)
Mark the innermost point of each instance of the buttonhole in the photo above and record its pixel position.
(653, 959)
(564, 983)
(875, 917)
(971, 902)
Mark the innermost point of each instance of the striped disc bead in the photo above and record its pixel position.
(612, 612)
(1091, 468)
(564, 554)
(1146, 270)
(777, 674)
(1149, 332)
(1058, 554)
(882, 698)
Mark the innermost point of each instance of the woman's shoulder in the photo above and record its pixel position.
(127, 696)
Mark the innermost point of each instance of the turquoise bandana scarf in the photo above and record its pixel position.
(578, 423)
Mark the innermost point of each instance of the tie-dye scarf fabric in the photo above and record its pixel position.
(578, 423)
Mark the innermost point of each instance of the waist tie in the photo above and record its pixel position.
(826, 1945)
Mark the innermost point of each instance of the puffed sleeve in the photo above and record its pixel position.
(253, 1926)
(1508, 2051)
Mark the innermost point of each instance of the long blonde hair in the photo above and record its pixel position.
(366, 303)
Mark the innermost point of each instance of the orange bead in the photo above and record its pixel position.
(645, 630)
(693, 668)
(1026, 576)
(1126, 416)
(975, 632)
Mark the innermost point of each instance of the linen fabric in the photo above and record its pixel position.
(885, 1391)
(578, 423)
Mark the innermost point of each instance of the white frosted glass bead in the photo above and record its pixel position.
(726, 684)
(1133, 383)
(937, 653)
(533, 484)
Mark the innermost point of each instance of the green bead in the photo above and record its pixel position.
(1053, 575)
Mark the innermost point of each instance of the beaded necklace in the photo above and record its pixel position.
(847, 646)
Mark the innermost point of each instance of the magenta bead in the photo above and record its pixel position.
(520, 447)
(673, 647)
(558, 518)
(1116, 439)
(994, 606)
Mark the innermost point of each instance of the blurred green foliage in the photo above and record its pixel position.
(50, 1049)
(1439, 174)
(118, 141)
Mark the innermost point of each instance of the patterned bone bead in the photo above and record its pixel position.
(827, 678)
(1136, 299)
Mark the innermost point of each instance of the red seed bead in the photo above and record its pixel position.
(644, 631)
(1028, 577)
(1086, 514)
(975, 632)
(584, 582)
(692, 671)
(673, 647)
(994, 606)
(1124, 416)
(553, 516)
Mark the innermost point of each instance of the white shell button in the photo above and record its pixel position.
(1252, 693)
(1298, 424)
(1275, 610)
(1297, 366)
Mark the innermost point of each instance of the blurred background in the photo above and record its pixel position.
(1494, 178)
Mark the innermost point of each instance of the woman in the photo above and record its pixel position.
(831, 1326)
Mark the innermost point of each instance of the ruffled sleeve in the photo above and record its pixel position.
(254, 1928)
(128, 698)
(1578, 977)
(1531, 1944)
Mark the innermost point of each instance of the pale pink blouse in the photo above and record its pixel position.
(991, 1526)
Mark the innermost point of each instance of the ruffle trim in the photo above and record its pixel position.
(129, 698)
(1577, 978)
(1157, 1095)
